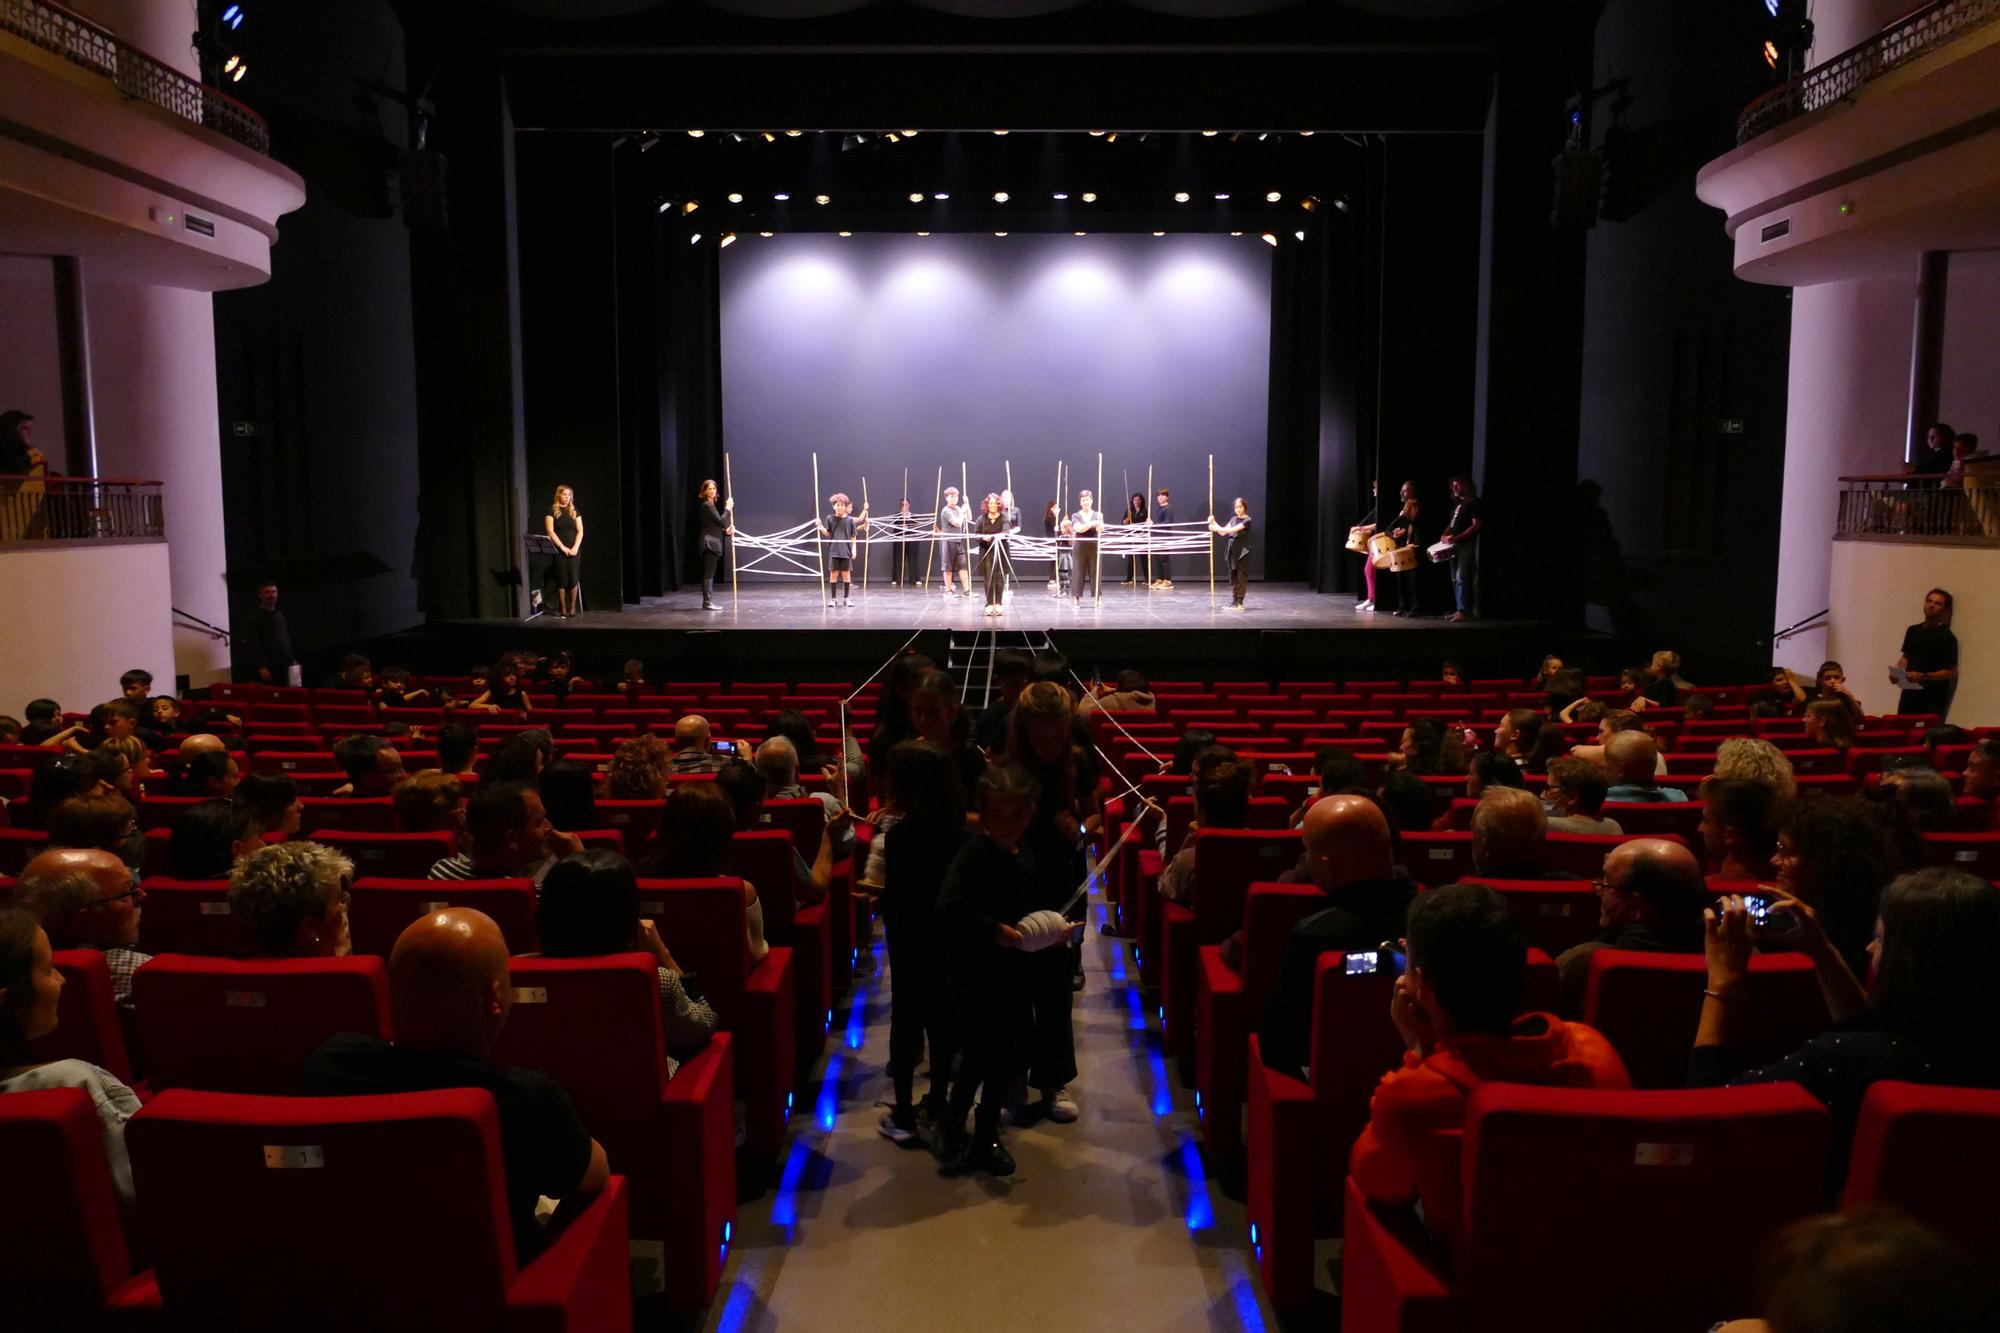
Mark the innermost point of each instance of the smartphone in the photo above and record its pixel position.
(1768, 915)
(723, 747)
(1367, 962)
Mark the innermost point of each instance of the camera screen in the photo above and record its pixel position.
(1362, 964)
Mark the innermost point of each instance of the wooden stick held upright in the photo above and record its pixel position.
(1151, 494)
(729, 522)
(937, 503)
(1211, 535)
(965, 501)
(867, 538)
(819, 534)
(1097, 560)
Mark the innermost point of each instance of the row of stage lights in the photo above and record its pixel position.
(1309, 203)
(728, 238)
(897, 136)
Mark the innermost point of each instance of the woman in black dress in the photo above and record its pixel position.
(1405, 531)
(715, 525)
(1135, 512)
(565, 528)
(1237, 551)
(991, 530)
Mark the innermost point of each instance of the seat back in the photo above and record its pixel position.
(1557, 913)
(1582, 854)
(87, 1024)
(360, 814)
(18, 846)
(1436, 859)
(702, 921)
(391, 855)
(1975, 853)
(1353, 1045)
(1226, 862)
(1269, 913)
(1583, 1172)
(192, 916)
(62, 1248)
(764, 857)
(804, 818)
(1648, 1006)
(637, 820)
(1935, 1153)
(382, 908)
(1650, 819)
(223, 1025)
(239, 1196)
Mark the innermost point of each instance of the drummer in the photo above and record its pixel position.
(1366, 528)
(1462, 534)
(1404, 528)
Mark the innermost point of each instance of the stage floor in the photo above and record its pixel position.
(767, 607)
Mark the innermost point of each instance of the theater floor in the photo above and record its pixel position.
(1109, 1223)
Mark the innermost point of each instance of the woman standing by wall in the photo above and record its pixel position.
(564, 527)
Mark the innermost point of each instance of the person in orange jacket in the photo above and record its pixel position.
(1457, 1005)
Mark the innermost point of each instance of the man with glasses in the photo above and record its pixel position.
(1650, 899)
(88, 899)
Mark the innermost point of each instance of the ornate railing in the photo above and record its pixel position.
(1906, 506)
(136, 74)
(42, 510)
(1841, 77)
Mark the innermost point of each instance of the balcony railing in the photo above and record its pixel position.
(136, 74)
(1841, 77)
(36, 510)
(1922, 507)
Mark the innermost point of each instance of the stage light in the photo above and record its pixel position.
(649, 142)
(666, 204)
(770, 137)
(1090, 196)
(1235, 233)
(232, 17)
(1097, 134)
(999, 233)
(793, 134)
(735, 198)
(909, 134)
(1111, 137)
(1273, 197)
(1082, 233)
(1771, 54)
(846, 233)
(1300, 234)
(1000, 196)
(728, 239)
(1159, 233)
(942, 195)
(1210, 134)
(1000, 132)
(923, 233)
(1271, 239)
(690, 206)
(1309, 204)
(765, 234)
(696, 134)
(1060, 195)
(822, 199)
(1221, 196)
(1340, 204)
(736, 135)
(235, 68)
(782, 197)
(1180, 196)
(695, 239)
(1305, 134)
(1262, 137)
(891, 137)
(916, 196)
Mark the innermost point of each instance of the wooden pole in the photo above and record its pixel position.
(900, 561)
(819, 538)
(1097, 560)
(1211, 535)
(1150, 493)
(729, 522)
(937, 500)
(867, 539)
(1006, 556)
(965, 502)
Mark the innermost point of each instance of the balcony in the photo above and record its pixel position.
(42, 511)
(1922, 508)
(107, 154)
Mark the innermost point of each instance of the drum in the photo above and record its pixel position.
(1440, 552)
(1379, 547)
(1357, 540)
(1403, 558)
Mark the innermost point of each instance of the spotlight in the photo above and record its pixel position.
(1180, 196)
(1000, 196)
(1090, 196)
(649, 142)
(1273, 197)
(695, 239)
(1270, 239)
(736, 136)
(1262, 137)
(1082, 233)
(1000, 132)
(1309, 204)
(1000, 233)
(1111, 137)
(690, 206)
(923, 233)
(1159, 233)
(770, 137)
(1097, 134)
(892, 137)
(942, 195)
(1210, 134)
(793, 134)
(735, 198)
(232, 17)
(728, 239)
(1059, 195)
(666, 204)
(909, 134)
(1340, 204)
(782, 197)
(765, 234)
(1300, 234)
(235, 68)
(1305, 134)
(822, 199)
(696, 134)
(847, 233)
(1771, 54)
(1221, 196)
(916, 196)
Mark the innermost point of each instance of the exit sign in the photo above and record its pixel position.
(1730, 426)
(244, 429)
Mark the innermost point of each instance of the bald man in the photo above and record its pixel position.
(88, 899)
(1650, 899)
(1352, 861)
(1631, 764)
(1508, 830)
(449, 996)
(694, 750)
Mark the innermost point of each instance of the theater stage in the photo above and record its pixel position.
(786, 629)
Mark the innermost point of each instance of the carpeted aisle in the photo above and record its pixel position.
(1110, 1223)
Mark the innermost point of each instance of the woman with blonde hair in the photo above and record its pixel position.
(1758, 760)
(564, 527)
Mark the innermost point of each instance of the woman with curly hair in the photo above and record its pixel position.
(1833, 856)
(1758, 760)
(639, 769)
(1429, 748)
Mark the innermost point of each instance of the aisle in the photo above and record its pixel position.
(1110, 1222)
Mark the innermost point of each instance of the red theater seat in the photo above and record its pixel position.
(1436, 859)
(1557, 913)
(1649, 1004)
(62, 1248)
(764, 857)
(243, 1200)
(250, 1026)
(1975, 853)
(1933, 1152)
(1229, 1005)
(1226, 863)
(88, 1025)
(1579, 1173)
(383, 908)
(191, 916)
(593, 1025)
(394, 855)
(1582, 854)
(705, 920)
(334, 814)
(18, 846)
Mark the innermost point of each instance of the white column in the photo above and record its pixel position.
(1840, 24)
(163, 29)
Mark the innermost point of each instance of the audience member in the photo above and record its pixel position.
(1130, 694)
(1739, 827)
(1509, 829)
(30, 987)
(1431, 749)
(1926, 1017)
(1351, 860)
(1631, 762)
(1866, 1269)
(45, 724)
(1490, 769)
(1930, 656)
(356, 673)
(1221, 801)
(693, 750)
(1408, 800)
(1574, 798)
(106, 822)
(373, 766)
(778, 760)
(1458, 1007)
(86, 898)
(938, 717)
(1012, 669)
(743, 787)
(431, 800)
(1982, 776)
(1697, 707)
(639, 770)
(52, 784)
(1659, 684)
(1650, 900)
(1829, 686)
(209, 838)
(796, 728)
(697, 841)
(1832, 855)
(1759, 760)
(293, 897)
(892, 708)
(1516, 733)
(569, 794)
(1923, 795)
(211, 773)
(449, 997)
(516, 759)
(588, 907)
(1829, 725)
(510, 836)
(273, 802)
(456, 746)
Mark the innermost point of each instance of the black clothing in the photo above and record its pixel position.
(266, 642)
(992, 561)
(1463, 517)
(1929, 648)
(1237, 548)
(543, 1143)
(989, 731)
(916, 861)
(714, 527)
(840, 535)
(1661, 692)
(1163, 564)
(1407, 529)
(986, 887)
(1363, 915)
(709, 560)
(1059, 864)
(1239, 583)
(1573, 967)
(1086, 529)
(566, 527)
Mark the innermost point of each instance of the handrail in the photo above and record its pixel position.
(136, 74)
(1921, 506)
(1897, 476)
(1834, 80)
(37, 509)
(81, 481)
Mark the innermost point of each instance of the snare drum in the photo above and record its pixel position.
(1379, 547)
(1441, 552)
(1357, 539)
(1403, 558)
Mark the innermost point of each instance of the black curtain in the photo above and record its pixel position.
(690, 387)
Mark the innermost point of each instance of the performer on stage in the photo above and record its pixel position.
(1237, 529)
(1406, 533)
(840, 529)
(715, 525)
(1135, 513)
(1463, 534)
(1086, 525)
(900, 571)
(992, 536)
(1369, 522)
(953, 521)
(1163, 564)
(1057, 527)
(564, 527)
